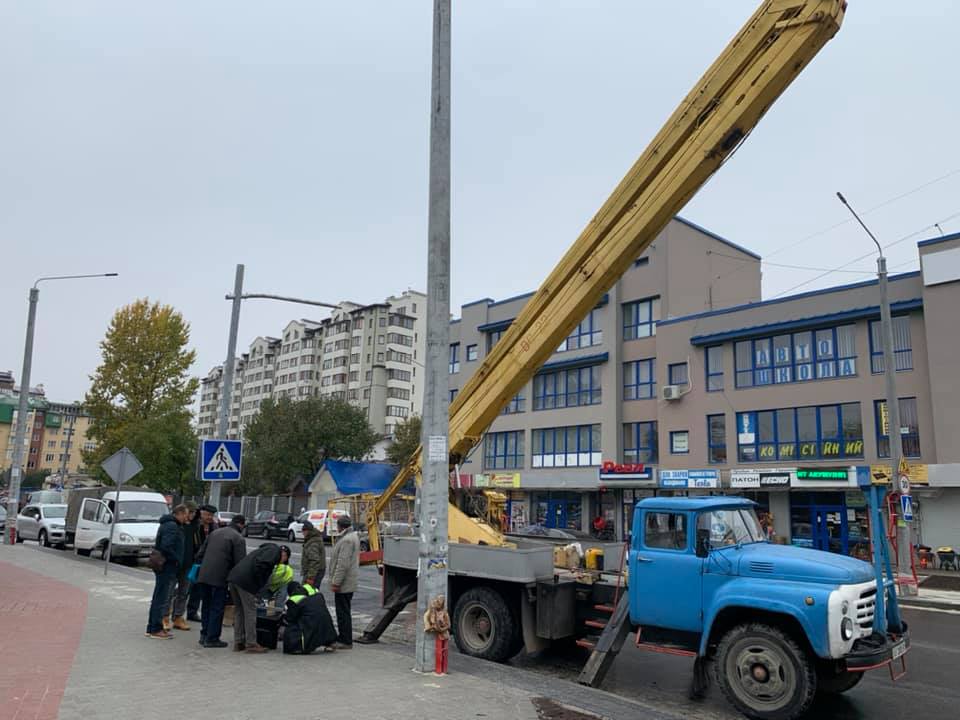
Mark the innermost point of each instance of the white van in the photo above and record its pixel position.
(136, 529)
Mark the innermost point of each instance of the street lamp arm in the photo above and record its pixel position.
(265, 296)
(73, 277)
(854, 213)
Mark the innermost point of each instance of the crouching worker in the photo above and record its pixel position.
(308, 622)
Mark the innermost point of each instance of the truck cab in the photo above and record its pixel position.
(782, 623)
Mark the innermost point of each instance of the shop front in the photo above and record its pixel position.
(828, 512)
(622, 486)
(770, 489)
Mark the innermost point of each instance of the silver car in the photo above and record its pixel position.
(44, 523)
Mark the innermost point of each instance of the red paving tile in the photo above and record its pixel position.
(41, 621)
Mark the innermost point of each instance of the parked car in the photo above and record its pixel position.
(268, 524)
(44, 523)
(3, 519)
(224, 518)
(321, 518)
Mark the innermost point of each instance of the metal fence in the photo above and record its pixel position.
(250, 505)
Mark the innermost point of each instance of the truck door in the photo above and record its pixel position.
(665, 580)
(89, 523)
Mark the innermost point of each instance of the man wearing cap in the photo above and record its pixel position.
(180, 587)
(314, 555)
(344, 570)
(204, 523)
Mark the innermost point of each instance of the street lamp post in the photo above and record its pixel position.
(13, 498)
(893, 404)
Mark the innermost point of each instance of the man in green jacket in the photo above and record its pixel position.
(344, 570)
(314, 556)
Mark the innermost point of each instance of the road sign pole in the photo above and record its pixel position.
(223, 424)
(116, 513)
(432, 495)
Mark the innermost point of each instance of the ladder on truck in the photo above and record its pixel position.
(765, 56)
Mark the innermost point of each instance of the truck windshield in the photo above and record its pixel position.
(141, 510)
(731, 526)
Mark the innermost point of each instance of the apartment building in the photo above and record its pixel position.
(56, 434)
(365, 354)
(683, 381)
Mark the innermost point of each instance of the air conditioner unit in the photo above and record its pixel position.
(672, 392)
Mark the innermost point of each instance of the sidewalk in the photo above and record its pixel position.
(76, 640)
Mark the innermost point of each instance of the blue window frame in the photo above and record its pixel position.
(679, 442)
(640, 443)
(493, 337)
(713, 362)
(503, 450)
(567, 388)
(797, 357)
(454, 358)
(640, 318)
(909, 421)
(717, 439)
(472, 353)
(453, 395)
(575, 446)
(824, 432)
(586, 334)
(678, 374)
(516, 405)
(639, 379)
(902, 345)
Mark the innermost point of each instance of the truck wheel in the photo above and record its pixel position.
(483, 625)
(764, 673)
(831, 681)
(82, 552)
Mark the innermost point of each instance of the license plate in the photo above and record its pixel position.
(899, 649)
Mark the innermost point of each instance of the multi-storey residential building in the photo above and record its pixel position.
(682, 381)
(56, 434)
(366, 354)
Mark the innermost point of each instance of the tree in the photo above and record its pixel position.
(406, 440)
(287, 440)
(141, 394)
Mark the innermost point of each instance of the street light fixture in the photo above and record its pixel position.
(890, 375)
(13, 498)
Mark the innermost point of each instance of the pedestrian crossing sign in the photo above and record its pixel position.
(221, 460)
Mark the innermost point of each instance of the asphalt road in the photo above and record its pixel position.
(931, 688)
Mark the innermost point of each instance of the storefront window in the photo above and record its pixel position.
(562, 510)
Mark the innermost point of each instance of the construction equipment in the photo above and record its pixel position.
(713, 119)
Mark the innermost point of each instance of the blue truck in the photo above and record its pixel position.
(779, 624)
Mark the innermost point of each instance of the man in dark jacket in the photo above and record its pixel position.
(308, 621)
(314, 560)
(220, 554)
(204, 523)
(180, 587)
(170, 544)
(246, 580)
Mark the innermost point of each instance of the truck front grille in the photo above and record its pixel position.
(865, 608)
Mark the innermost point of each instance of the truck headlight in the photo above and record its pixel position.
(124, 538)
(846, 629)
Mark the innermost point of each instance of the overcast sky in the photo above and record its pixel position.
(168, 141)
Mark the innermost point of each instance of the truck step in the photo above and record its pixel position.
(599, 624)
(605, 608)
(587, 644)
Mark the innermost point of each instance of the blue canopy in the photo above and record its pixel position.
(354, 478)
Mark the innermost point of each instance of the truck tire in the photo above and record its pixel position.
(82, 552)
(483, 625)
(764, 674)
(831, 681)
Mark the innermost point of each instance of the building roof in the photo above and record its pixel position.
(693, 503)
(354, 478)
(788, 298)
(935, 241)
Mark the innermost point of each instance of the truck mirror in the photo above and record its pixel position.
(703, 543)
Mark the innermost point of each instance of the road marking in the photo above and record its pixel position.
(945, 611)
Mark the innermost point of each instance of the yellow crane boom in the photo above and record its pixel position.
(764, 57)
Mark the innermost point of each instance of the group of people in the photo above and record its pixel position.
(191, 544)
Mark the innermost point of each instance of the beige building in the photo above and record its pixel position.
(365, 354)
(683, 381)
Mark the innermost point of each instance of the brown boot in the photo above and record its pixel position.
(166, 624)
(256, 649)
(180, 624)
